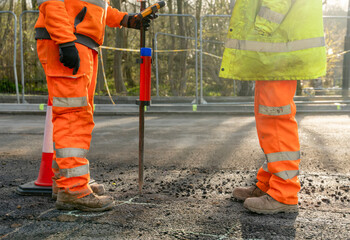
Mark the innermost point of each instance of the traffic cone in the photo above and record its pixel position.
(43, 185)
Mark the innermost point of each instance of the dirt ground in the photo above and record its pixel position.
(192, 164)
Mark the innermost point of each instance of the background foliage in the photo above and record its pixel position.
(176, 69)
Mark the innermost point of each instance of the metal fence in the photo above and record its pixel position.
(9, 84)
(211, 46)
(29, 33)
(192, 49)
(335, 80)
(184, 65)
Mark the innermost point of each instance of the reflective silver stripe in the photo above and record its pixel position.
(275, 111)
(275, 47)
(100, 3)
(75, 172)
(270, 15)
(71, 152)
(69, 102)
(264, 167)
(287, 174)
(283, 156)
(55, 165)
(42, 1)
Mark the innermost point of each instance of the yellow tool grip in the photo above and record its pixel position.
(152, 9)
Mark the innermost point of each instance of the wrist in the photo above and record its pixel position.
(124, 21)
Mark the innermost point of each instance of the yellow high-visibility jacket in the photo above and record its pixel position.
(275, 40)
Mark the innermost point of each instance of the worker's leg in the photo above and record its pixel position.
(73, 121)
(263, 176)
(278, 136)
(72, 98)
(72, 116)
(43, 51)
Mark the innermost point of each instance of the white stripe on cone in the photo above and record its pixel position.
(48, 133)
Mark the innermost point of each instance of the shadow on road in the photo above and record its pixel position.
(278, 226)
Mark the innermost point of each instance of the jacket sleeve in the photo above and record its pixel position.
(271, 15)
(114, 17)
(57, 21)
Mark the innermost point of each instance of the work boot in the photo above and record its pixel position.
(267, 205)
(242, 193)
(96, 188)
(89, 203)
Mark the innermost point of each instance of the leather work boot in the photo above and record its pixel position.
(267, 205)
(89, 203)
(242, 193)
(96, 188)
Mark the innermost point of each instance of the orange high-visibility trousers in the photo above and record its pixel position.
(278, 136)
(72, 100)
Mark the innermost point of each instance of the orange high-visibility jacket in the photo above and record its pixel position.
(65, 21)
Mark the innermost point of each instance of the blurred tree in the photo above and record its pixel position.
(35, 4)
(176, 69)
(117, 66)
(182, 78)
(6, 48)
(171, 56)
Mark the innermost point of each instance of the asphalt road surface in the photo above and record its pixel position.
(192, 163)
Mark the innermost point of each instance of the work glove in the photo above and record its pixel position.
(134, 21)
(69, 56)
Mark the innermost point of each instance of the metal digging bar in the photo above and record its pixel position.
(141, 114)
(145, 82)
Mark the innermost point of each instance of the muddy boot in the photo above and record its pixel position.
(242, 193)
(96, 188)
(89, 203)
(268, 205)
